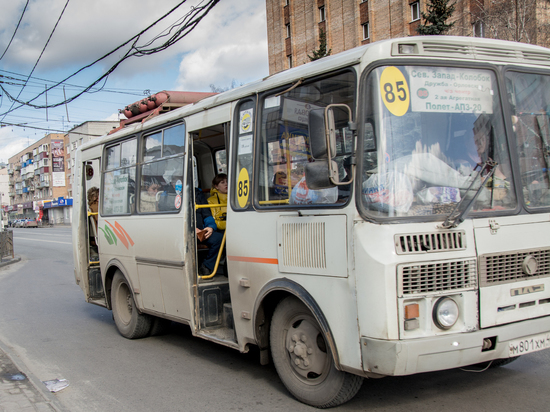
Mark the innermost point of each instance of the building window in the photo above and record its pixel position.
(415, 11)
(366, 31)
(289, 61)
(322, 16)
(478, 29)
(288, 31)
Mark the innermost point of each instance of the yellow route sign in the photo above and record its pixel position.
(394, 91)
(243, 188)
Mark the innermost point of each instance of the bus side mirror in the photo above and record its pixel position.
(323, 173)
(319, 134)
(319, 173)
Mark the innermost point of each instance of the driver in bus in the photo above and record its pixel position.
(207, 234)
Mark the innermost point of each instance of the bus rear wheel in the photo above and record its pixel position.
(130, 323)
(303, 359)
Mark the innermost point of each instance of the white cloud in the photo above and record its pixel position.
(11, 143)
(230, 43)
(89, 29)
(233, 48)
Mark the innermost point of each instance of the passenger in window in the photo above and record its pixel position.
(207, 234)
(280, 186)
(218, 195)
(149, 198)
(93, 199)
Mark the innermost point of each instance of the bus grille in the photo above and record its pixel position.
(304, 245)
(430, 242)
(499, 268)
(436, 277)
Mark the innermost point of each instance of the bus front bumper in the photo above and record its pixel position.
(407, 357)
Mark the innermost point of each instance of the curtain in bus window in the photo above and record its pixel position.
(285, 147)
(430, 137)
(529, 96)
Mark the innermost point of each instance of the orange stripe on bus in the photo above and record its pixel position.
(253, 260)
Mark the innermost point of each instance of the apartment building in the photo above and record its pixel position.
(38, 181)
(294, 26)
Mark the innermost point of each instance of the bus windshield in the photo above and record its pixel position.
(433, 136)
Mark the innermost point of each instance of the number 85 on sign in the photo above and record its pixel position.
(394, 91)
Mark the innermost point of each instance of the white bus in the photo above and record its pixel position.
(388, 214)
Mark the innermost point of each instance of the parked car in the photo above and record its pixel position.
(30, 223)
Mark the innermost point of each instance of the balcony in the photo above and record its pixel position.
(43, 184)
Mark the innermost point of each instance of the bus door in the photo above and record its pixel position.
(89, 214)
(158, 225)
(213, 304)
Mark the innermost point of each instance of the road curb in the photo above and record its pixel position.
(6, 262)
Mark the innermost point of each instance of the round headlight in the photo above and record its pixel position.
(445, 313)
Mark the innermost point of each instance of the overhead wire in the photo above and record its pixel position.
(40, 81)
(38, 60)
(16, 28)
(187, 23)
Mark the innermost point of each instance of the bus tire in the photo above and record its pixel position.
(304, 361)
(130, 323)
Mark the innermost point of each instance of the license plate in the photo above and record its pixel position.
(530, 344)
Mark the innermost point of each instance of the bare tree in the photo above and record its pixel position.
(513, 20)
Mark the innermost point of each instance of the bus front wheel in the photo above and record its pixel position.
(303, 359)
(130, 323)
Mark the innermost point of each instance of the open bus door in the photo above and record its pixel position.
(88, 271)
(214, 315)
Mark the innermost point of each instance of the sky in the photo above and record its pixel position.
(229, 45)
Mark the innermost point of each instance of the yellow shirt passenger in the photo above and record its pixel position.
(218, 195)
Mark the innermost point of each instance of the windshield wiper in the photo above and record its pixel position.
(454, 221)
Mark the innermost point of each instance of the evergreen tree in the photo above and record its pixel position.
(322, 50)
(439, 11)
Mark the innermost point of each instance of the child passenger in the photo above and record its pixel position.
(219, 196)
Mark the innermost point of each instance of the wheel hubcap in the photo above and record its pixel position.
(307, 357)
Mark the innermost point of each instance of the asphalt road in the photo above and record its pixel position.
(45, 321)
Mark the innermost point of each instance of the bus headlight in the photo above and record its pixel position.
(445, 313)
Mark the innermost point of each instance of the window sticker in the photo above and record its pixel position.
(245, 145)
(450, 90)
(246, 121)
(177, 202)
(271, 102)
(179, 187)
(394, 91)
(243, 188)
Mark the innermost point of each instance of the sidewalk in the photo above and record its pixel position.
(20, 392)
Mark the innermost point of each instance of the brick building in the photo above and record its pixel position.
(38, 181)
(293, 26)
